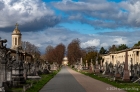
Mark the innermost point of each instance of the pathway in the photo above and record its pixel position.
(67, 80)
(63, 82)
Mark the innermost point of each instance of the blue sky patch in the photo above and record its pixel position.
(79, 27)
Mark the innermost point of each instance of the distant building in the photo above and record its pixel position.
(119, 56)
(65, 61)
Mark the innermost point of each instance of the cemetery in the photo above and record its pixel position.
(117, 73)
(16, 73)
(18, 69)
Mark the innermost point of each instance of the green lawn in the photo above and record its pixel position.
(39, 84)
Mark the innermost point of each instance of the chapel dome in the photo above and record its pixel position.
(65, 58)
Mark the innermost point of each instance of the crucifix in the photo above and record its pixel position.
(16, 25)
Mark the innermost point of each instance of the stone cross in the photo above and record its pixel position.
(97, 60)
(16, 25)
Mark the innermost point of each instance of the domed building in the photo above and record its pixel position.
(65, 61)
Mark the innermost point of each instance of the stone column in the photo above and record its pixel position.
(86, 65)
(134, 57)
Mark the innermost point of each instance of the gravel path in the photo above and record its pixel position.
(67, 80)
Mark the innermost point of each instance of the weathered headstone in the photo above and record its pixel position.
(91, 67)
(117, 71)
(86, 64)
(97, 70)
(81, 63)
(54, 66)
(126, 76)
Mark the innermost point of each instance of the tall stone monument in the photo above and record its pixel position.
(81, 63)
(97, 70)
(126, 76)
(3, 62)
(86, 64)
(91, 67)
(17, 70)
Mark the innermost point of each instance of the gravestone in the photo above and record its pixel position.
(25, 67)
(134, 76)
(81, 64)
(54, 66)
(111, 69)
(91, 67)
(126, 76)
(97, 70)
(86, 64)
(117, 71)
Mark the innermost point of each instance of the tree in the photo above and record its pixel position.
(91, 55)
(59, 52)
(121, 47)
(55, 54)
(49, 53)
(137, 44)
(31, 49)
(74, 51)
(102, 51)
(113, 48)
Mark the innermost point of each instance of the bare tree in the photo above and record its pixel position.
(55, 54)
(74, 51)
(31, 49)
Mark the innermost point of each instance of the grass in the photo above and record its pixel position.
(39, 84)
(118, 85)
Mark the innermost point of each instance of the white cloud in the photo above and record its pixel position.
(123, 14)
(95, 42)
(119, 41)
(22, 11)
(104, 45)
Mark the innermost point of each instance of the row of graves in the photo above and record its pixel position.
(14, 71)
(119, 71)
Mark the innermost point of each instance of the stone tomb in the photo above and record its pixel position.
(54, 66)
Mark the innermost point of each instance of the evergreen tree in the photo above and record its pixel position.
(103, 51)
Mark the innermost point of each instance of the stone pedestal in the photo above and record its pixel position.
(3, 76)
(126, 76)
(17, 76)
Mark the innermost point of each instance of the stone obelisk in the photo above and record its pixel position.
(126, 76)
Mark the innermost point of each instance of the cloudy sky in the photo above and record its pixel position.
(50, 22)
